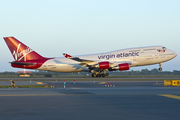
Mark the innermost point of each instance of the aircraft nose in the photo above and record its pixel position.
(175, 54)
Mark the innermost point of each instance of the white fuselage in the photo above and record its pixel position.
(134, 56)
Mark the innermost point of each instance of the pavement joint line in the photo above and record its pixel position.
(158, 83)
(33, 95)
(81, 94)
(170, 96)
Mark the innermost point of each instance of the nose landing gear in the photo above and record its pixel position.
(160, 68)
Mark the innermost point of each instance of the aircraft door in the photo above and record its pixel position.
(45, 67)
(142, 50)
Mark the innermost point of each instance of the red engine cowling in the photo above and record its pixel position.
(124, 66)
(104, 65)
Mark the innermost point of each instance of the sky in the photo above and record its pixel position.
(77, 27)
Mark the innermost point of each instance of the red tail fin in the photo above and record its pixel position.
(20, 51)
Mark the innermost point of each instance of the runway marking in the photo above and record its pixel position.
(39, 82)
(102, 83)
(170, 96)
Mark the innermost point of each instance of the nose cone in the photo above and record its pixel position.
(175, 54)
(171, 54)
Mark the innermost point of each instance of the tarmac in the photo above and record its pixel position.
(87, 100)
(94, 78)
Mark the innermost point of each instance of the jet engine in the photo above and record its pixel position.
(121, 67)
(103, 65)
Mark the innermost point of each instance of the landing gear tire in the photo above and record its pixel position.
(107, 74)
(103, 75)
(160, 69)
(94, 75)
(98, 75)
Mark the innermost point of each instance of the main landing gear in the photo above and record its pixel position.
(160, 68)
(100, 74)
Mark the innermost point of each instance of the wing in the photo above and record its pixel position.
(93, 63)
(82, 61)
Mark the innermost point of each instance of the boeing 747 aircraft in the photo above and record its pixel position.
(97, 64)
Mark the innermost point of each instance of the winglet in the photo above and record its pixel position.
(66, 55)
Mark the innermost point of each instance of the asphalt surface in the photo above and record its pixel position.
(96, 78)
(89, 100)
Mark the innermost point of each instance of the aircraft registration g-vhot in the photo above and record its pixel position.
(98, 64)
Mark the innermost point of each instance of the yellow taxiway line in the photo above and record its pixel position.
(102, 83)
(39, 82)
(170, 96)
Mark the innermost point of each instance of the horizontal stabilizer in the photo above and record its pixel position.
(22, 63)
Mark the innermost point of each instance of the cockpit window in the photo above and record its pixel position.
(163, 48)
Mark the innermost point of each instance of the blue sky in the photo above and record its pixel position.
(52, 27)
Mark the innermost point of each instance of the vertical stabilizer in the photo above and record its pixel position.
(20, 51)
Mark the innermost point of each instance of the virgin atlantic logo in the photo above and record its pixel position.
(19, 55)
